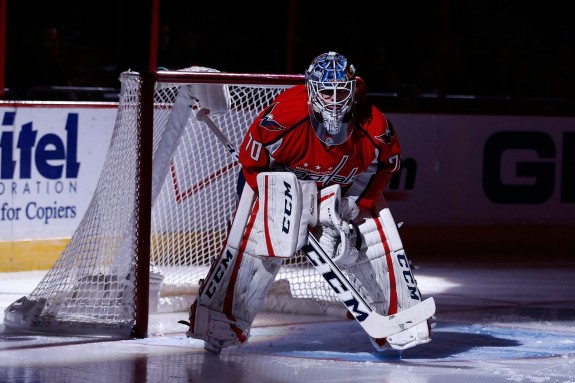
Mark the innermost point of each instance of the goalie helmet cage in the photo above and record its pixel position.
(147, 238)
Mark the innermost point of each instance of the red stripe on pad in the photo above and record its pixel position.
(229, 299)
(389, 261)
(266, 228)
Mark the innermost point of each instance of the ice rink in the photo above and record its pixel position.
(497, 321)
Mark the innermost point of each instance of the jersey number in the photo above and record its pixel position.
(254, 148)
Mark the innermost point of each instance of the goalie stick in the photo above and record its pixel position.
(376, 325)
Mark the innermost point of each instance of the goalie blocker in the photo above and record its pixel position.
(274, 226)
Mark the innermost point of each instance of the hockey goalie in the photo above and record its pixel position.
(314, 166)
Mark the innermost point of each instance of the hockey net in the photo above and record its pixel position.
(120, 255)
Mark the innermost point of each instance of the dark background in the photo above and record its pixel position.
(509, 55)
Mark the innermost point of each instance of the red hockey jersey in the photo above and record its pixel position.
(282, 138)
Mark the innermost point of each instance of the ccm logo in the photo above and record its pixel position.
(408, 277)
(287, 208)
(337, 282)
(219, 273)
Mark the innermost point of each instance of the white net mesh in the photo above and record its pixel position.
(92, 285)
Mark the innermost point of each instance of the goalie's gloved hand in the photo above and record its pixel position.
(334, 232)
(349, 209)
(339, 251)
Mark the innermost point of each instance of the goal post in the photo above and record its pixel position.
(161, 210)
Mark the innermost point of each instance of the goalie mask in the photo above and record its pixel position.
(330, 82)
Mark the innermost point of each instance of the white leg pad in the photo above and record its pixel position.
(234, 290)
(383, 273)
(223, 314)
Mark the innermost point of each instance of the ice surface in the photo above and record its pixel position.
(494, 324)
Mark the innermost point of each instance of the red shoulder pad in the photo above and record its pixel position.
(286, 110)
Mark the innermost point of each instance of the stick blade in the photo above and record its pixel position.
(381, 326)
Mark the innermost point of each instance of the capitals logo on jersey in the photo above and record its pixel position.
(268, 122)
(387, 135)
